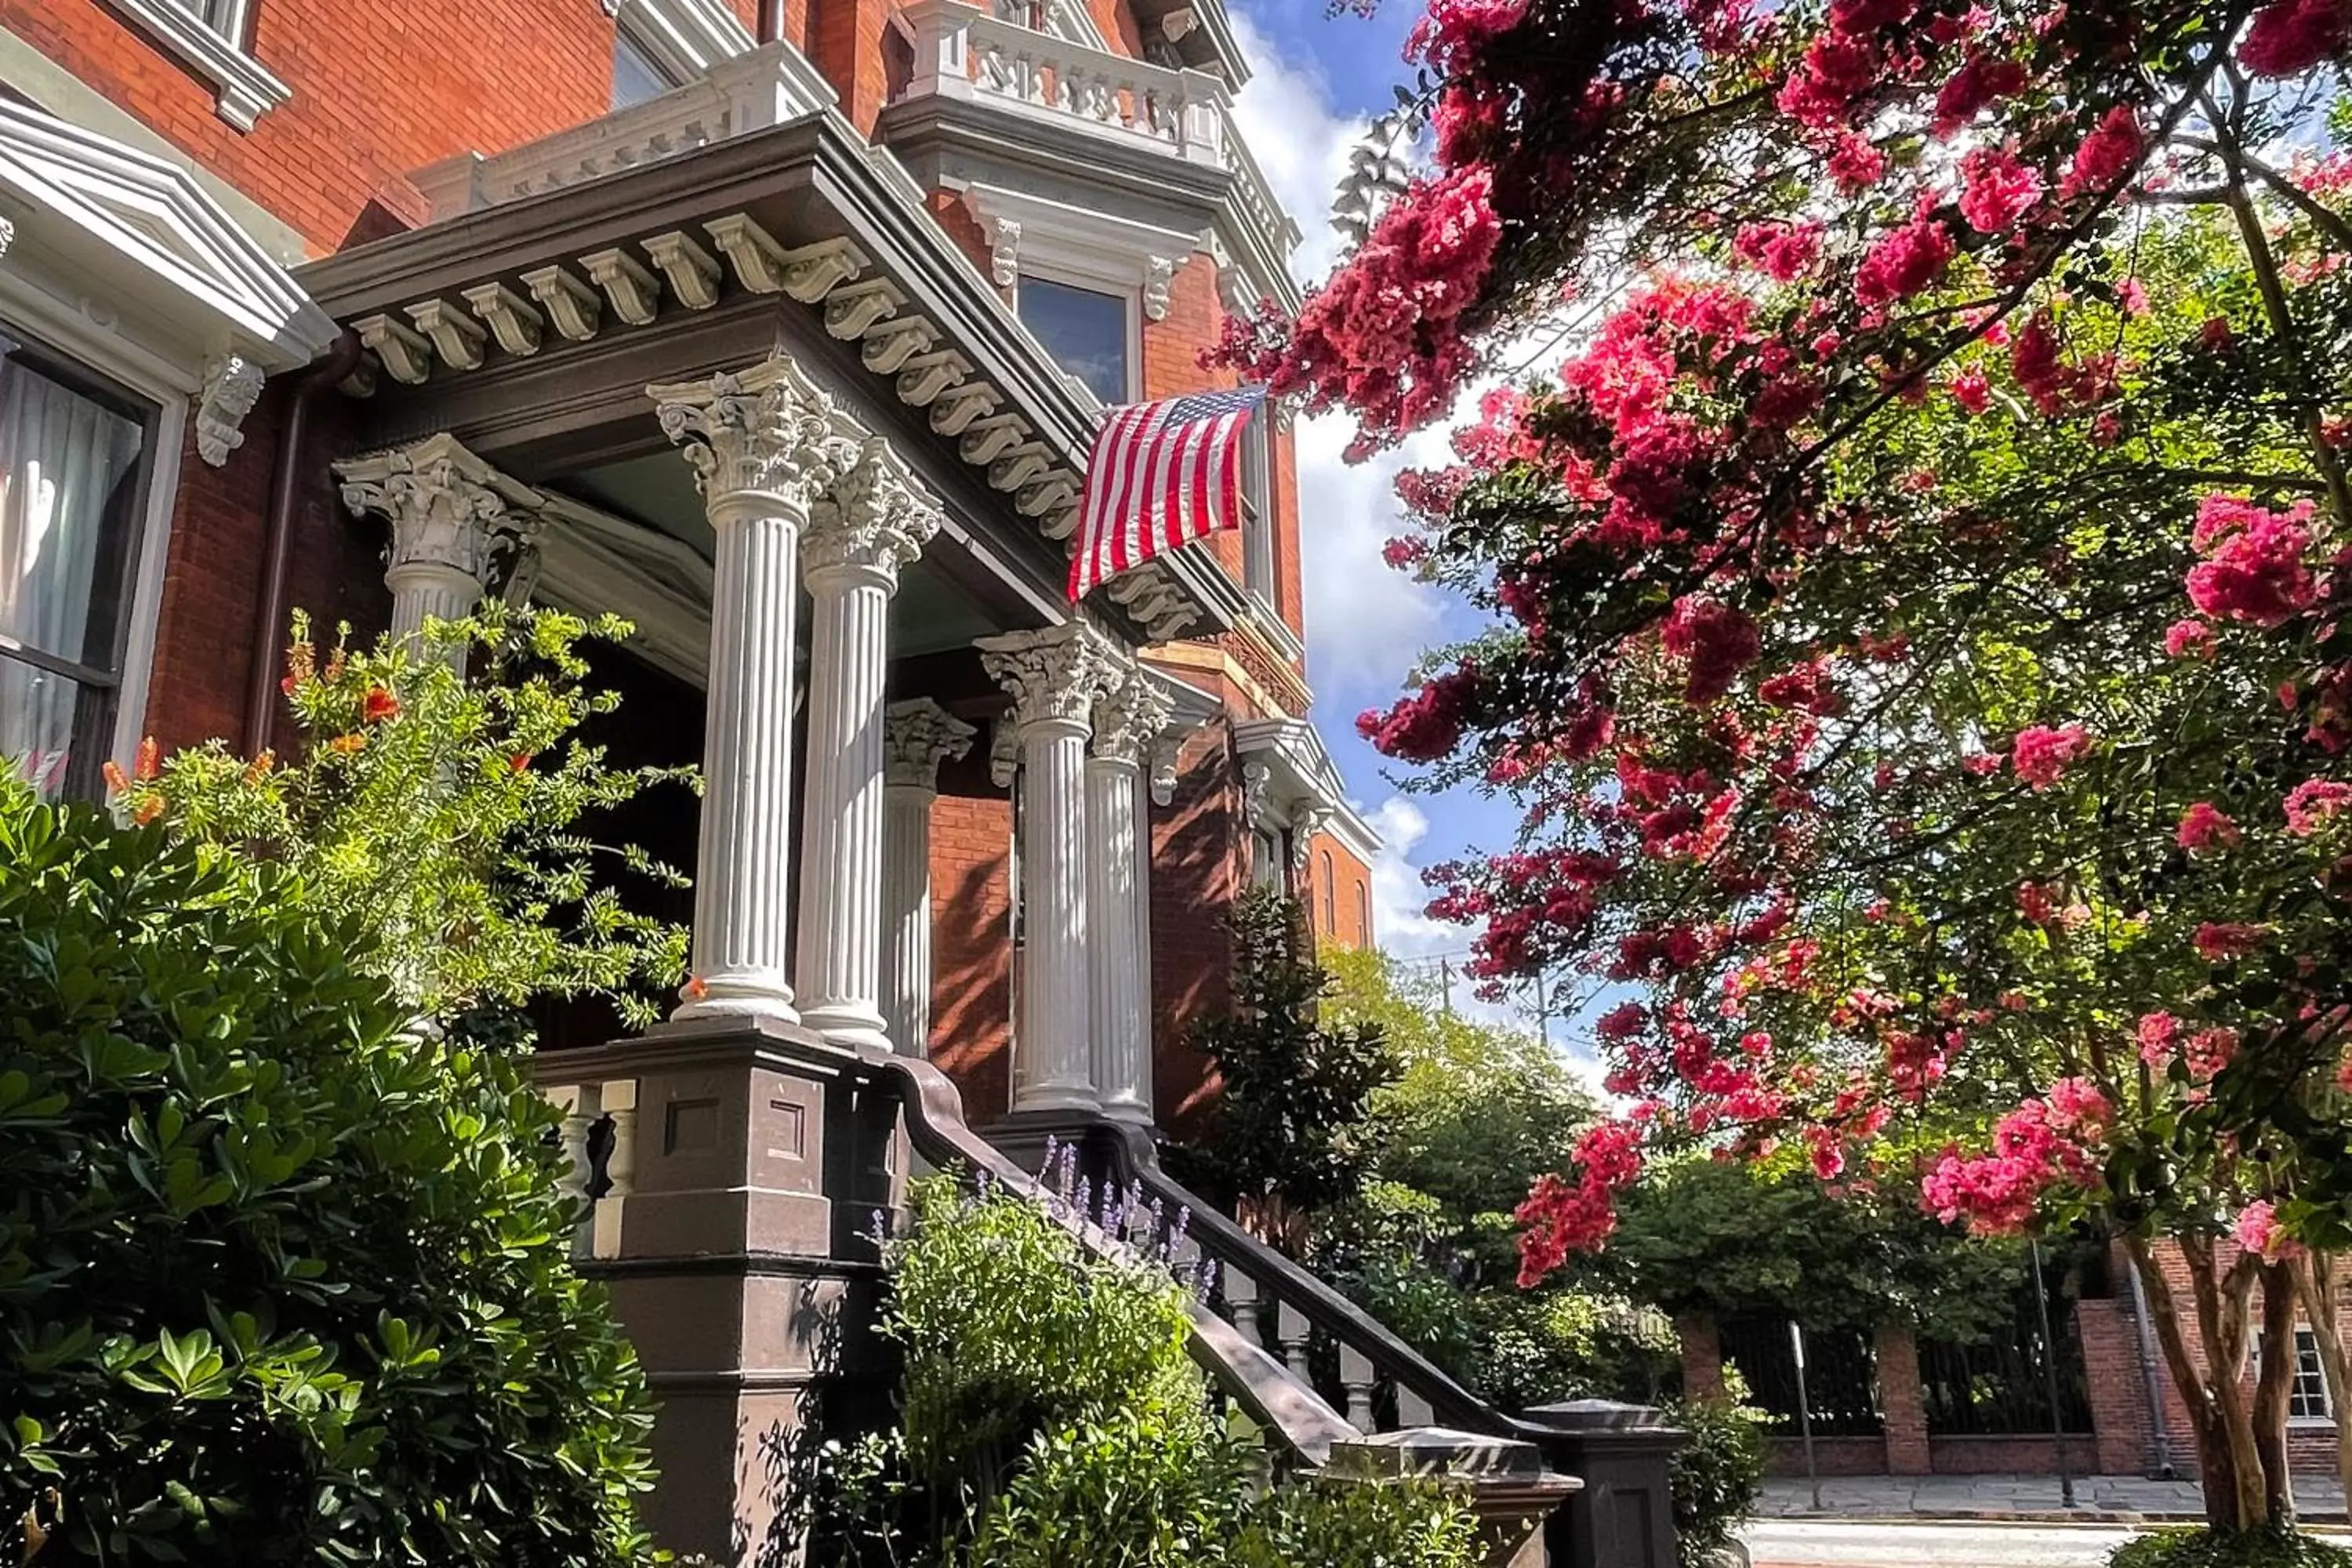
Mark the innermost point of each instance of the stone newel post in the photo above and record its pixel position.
(1127, 721)
(454, 520)
(1054, 675)
(917, 737)
(764, 444)
(873, 521)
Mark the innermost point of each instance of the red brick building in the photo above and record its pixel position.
(354, 307)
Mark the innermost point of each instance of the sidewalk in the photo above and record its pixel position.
(2111, 1498)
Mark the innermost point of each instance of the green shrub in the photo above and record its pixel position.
(1052, 1418)
(277, 1283)
(1717, 1475)
(2228, 1548)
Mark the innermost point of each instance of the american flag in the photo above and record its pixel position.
(1163, 474)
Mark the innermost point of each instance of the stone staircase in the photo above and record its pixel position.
(735, 1172)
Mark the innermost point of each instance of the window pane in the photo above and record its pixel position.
(636, 74)
(65, 463)
(1084, 330)
(40, 714)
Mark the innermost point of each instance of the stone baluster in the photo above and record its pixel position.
(1055, 675)
(1126, 719)
(764, 444)
(916, 736)
(457, 526)
(619, 1099)
(1291, 1331)
(873, 521)
(582, 1106)
(1356, 1375)
(1241, 1305)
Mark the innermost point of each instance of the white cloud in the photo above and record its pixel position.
(1365, 622)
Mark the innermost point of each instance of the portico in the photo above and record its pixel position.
(790, 438)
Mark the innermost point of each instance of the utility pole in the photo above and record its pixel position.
(1446, 977)
(1543, 1009)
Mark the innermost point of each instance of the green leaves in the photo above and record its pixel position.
(276, 1280)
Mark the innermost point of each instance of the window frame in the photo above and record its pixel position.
(129, 637)
(210, 38)
(1130, 300)
(1330, 895)
(630, 41)
(1261, 576)
(1364, 914)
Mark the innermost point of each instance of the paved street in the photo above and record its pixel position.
(1855, 1544)
(2319, 1497)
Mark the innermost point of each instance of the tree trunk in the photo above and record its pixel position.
(2316, 1279)
(2228, 1460)
(2273, 1391)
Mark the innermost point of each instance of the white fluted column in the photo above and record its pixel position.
(457, 525)
(871, 523)
(1126, 720)
(916, 736)
(1054, 675)
(764, 445)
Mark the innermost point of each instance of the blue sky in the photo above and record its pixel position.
(1317, 83)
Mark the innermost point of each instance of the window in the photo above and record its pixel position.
(2308, 1396)
(1257, 507)
(1266, 860)
(70, 481)
(1086, 330)
(1364, 914)
(1330, 899)
(637, 74)
(2308, 1399)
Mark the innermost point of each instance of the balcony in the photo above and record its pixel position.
(963, 52)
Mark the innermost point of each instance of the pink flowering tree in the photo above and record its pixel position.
(1919, 646)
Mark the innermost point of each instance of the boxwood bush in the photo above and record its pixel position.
(278, 1282)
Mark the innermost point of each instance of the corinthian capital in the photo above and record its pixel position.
(767, 431)
(446, 507)
(1128, 718)
(877, 515)
(916, 736)
(1054, 674)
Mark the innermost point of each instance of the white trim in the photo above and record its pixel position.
(1078, 244)
(1301, 777)
(215, 49)
(147, 585)
(687, 38)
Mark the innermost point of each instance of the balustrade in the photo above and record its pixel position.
(600, 1144)
(961, 51)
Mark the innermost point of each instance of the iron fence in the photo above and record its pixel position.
(1841, 1375)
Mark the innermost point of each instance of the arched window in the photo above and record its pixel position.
(1330, 899)
(1364, 914)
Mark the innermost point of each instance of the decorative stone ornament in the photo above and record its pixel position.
(765, 432)
(918, 735)
(1053, 675)
(1306, 822)
(232, 386)
(1128, 718)
(457, 526)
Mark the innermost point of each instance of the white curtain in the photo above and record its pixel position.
(62, 456)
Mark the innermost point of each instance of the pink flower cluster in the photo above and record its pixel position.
(2106, 154)
(2311, 802)
(1785, 252)
(2205, 826)
(2258, 1231)
(1718, 640)
(2253, 570)
(1978, 85)
(1907, 261)
(2290, 36)
(1562, 1216)
(2042, 1144)
(1425, 725)
(1996, 189)
(2041, 754)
